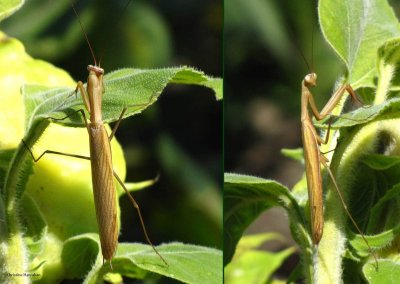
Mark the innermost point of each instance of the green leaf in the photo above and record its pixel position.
(250, 265)
(254, 241)
(355, 29)
(295, 154)
(245, 198)
(388, 272)
(79, 253)
(135, 186)
(9, 7)
(384, 214)
(386, 110)
(388, 55)
(377, 242)
(255, 266)
(380, 162)
(186, 263)
(123, 88)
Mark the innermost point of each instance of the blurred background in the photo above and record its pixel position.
(179, 137)
(264, 45)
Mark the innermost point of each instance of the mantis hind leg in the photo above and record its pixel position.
(136, 205)
(57, 152)
(52, 152)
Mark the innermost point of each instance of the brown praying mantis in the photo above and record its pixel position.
(313, 157)
(103, 174)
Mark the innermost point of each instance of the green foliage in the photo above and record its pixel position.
(295, 154)
(139, 261)
(251, 265)
(355, 30)
(389, 272)
(365, 35)
(245, 197)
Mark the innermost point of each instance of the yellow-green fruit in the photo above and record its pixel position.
(17, 68)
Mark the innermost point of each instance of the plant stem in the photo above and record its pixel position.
(15, 252)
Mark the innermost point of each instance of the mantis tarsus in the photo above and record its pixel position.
(313, 157)
(101, 160)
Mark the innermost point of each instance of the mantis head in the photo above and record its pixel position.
(311, 80)
(96, 69)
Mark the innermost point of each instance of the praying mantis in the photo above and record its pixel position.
(103, 174)
(313, 157)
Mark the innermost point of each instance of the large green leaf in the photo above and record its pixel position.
(386, 110)
(388, 272)
(186, 263)
(245, 198)
(253, 265)
(381, 162)
(123, 88)
(355, 29)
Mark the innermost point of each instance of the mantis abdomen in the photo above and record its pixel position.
(103, 188)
